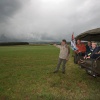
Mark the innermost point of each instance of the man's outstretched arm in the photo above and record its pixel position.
(58, 46)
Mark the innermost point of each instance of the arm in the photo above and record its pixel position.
(68, 50)
(93, 54)
(77, 51)
(58, 46)
(81, 48)
(68, 53)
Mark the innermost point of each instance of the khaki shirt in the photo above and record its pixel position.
(64, 53)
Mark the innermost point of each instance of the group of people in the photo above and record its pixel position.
(89, 51)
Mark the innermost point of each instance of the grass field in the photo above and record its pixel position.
(26, 73)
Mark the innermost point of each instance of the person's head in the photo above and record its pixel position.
(63, 42)
(89, 43)
(78, 41)
(94, 45)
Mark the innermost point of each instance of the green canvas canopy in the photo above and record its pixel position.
(91, 35)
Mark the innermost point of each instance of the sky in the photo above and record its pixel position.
(46, 20)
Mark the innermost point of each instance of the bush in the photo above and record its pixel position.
(13, 43)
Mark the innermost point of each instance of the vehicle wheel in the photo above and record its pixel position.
(90, 72)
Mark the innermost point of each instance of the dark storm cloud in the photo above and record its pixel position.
(8, 8)
(47, 20)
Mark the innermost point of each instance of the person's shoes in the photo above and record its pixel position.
(63, 72)
(55, 71)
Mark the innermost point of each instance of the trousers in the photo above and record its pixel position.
(60, 61)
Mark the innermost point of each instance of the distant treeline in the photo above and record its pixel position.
(13, 43)
(30, 43)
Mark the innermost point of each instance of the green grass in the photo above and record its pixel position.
(26, 73)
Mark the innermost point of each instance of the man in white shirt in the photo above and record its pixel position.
(63, 56)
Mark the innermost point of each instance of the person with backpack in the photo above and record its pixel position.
(63, 55)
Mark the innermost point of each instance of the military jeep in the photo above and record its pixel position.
(92, 66)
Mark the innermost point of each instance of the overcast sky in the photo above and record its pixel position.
(47, 20)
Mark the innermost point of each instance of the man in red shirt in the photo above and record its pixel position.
(81, 49)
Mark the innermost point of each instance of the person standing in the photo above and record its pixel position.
(63, 56)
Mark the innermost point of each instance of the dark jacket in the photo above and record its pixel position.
(88, 49)
(93, 53)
